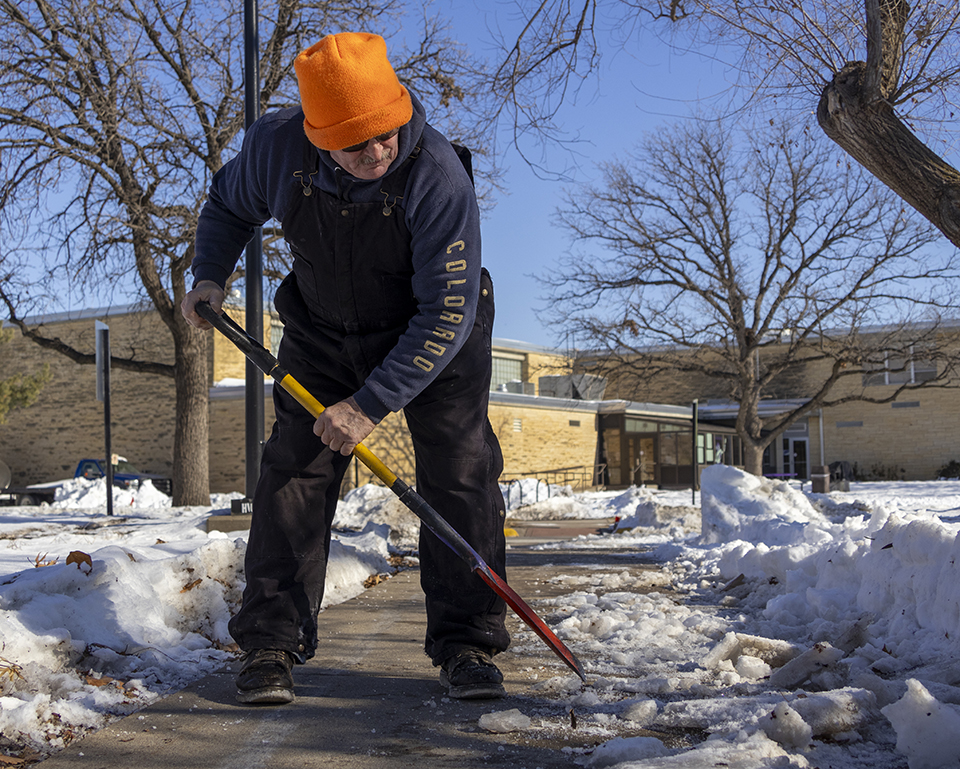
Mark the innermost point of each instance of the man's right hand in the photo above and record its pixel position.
(204, 291)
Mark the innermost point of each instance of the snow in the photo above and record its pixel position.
(503, 721)
(927, 730)
(785, 628)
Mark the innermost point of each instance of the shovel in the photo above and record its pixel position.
(270, 366)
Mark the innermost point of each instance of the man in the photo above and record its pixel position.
(386, 308)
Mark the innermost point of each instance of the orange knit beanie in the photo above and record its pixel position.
(349, 91)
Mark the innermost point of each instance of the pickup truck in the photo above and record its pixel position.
(125, 475)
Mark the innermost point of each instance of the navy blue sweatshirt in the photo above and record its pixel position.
(440, 211)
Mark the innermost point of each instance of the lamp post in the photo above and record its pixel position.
(253, 391)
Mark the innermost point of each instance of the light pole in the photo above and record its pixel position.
(254, 255)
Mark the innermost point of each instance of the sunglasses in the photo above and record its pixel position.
(378, 139)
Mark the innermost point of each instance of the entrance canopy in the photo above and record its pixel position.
(652, 444)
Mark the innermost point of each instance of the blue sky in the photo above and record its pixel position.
(639, 88)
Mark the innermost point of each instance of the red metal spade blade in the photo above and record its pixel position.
(528, 615)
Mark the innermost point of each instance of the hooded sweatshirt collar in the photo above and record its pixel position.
(409, 136)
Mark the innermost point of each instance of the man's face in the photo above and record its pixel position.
(370, 159)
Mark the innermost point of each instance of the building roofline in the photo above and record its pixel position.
(515, 344)
(231, 303)
(234, 391)
(727, 409)
(946, 324)
(542, 402)
(134, 308)
(88, 313)
(631, 408)
(634, 408)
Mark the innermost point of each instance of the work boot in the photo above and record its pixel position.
(265, 678)
(471, 675)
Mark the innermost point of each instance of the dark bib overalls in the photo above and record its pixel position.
(344, 306)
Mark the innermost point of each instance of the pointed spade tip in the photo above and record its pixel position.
(575, 664)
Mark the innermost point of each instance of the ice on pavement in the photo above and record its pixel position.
(503, 721)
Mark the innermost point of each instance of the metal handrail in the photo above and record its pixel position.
(578, 478)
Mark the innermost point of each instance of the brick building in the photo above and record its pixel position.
(44, 442)
(911, 438)
(551, 424)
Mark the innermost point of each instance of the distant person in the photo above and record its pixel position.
(387, 308)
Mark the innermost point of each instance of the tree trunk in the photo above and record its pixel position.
(870, 132)
(752, 457)
(191, 445)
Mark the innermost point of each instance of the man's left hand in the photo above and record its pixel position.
(343, 425)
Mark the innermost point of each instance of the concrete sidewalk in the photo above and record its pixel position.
(370, 698)
(536, 532)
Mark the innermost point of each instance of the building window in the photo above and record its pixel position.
(708, 450)
(639, 426)
(849, 424)
(518, 425)
(895, 371)
(574, 423)
(505, 370)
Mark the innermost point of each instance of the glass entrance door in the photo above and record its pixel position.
(641, 456)
(795, 457)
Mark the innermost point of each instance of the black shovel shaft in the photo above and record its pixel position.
(270, 366)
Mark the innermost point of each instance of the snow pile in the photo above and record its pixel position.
(108, 632)
(737, 505)
(353, 559)
(886, 575)
(796, 630)
(529, 499)
(93, 630)
(621, 749)
(377, 504)
(650, 516)
(83, 493)
(927, 730)
(778, 628)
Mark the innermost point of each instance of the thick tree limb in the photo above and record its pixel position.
(870, 132)
(856, 111)
(56, 344)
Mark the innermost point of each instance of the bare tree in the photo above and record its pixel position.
(114, 115)
(747, 263)
(873, 69)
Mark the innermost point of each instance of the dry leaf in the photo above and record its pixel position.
(80, 558)
(375, 580)
(191, 585)
(94, 681)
